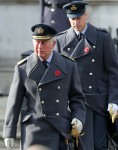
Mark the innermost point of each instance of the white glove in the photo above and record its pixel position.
(113, 111)
(113, 107)
(77, 124)
(9, 143)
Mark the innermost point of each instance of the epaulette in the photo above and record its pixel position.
(67, 57)
(63, 32)
(103, 29)
(22, 61)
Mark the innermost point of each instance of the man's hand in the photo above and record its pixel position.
(77, 124)
(76, 129)
(113, 111)
(9, 143)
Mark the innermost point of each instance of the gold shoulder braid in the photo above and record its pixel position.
(22, 61)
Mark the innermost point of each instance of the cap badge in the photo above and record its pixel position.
(40, 30)
(73, 7)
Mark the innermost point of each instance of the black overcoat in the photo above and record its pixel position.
(52, 13)
(97, 62)
(47, 94)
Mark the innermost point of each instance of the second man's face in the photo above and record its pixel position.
(79, 23)
(43, 48)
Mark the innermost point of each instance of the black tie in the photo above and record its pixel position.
(45, 64)
(80, 36)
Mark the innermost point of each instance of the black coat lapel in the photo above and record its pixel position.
(55, 71)
(83, 47)
(35, 68)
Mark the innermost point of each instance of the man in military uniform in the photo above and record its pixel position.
(52, 13)
(97, 60)
(50, 84)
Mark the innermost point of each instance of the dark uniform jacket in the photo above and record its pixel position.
(97, 62)
(52, 13)
(48, 94)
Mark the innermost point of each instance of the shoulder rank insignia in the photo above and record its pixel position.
(103, 29)
(67, 57)
(22, 61)
(61, 32)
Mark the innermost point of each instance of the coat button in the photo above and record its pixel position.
(57, 114)
(90, 73)
(93, 60)
(49, 2)
(57, 101)
(90, 87)
(52, 9)
(68, 49)
(42, 102)
(40, 89)
(58, 87)
(44, 114)
(52, 21)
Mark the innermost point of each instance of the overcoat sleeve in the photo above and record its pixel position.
(111, 67)
(14, 104)
(76, 96)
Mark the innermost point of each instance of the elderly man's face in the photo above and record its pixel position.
(79, 23)
(43, 48)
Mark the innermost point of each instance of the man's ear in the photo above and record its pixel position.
(54, 42)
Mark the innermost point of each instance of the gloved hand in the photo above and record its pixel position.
(77, 124)
(9, 143)
(113, 110)
(76, 129)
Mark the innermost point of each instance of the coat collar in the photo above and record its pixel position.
(91, 34)
(36, 71)
(84, 47)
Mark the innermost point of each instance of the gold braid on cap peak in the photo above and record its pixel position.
(35, 37)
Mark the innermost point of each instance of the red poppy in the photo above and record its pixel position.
(86, 49)
(57, 73)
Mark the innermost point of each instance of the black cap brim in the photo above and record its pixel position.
(75, 15)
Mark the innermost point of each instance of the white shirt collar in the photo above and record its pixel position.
(49, 58)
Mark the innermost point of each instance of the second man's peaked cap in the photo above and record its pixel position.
(75, 9)
(42, 32)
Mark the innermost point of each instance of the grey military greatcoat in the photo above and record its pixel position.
(52, 13)
(47, 93)
(97, 62)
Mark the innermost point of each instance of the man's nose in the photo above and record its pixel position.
(40, 44)
(75, 22)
